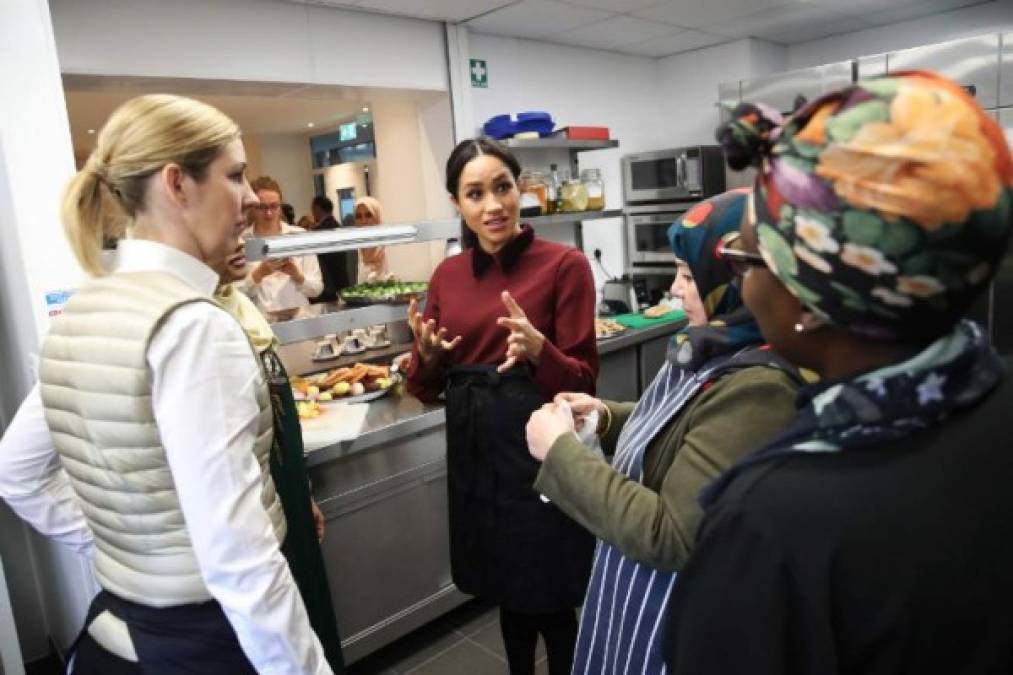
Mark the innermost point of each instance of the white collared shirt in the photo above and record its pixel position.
(203, 379)
(277, 291)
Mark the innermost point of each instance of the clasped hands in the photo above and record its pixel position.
(563, 415)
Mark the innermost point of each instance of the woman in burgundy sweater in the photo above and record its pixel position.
(521, 310)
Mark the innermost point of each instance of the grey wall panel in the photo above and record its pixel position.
(971, 62)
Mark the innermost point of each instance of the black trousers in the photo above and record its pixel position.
(520, 637)
(183, 640)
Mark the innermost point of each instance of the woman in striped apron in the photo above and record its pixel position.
(719, 394)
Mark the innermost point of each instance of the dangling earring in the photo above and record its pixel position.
(799, 328)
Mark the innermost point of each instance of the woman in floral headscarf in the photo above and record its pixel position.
(875, 535)
(719, 395)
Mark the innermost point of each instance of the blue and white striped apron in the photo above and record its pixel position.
(620, 627)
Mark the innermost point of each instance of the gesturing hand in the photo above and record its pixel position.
(525, 342)
(432, 342)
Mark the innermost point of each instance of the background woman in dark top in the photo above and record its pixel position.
(521, 310)
(875, 536)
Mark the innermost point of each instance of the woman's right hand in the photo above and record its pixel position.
(581, 404)
(431, 341)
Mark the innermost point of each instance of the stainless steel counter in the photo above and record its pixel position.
(389, 419)
(401, 415)
(634, 337)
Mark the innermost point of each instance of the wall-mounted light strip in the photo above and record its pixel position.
(328, 241)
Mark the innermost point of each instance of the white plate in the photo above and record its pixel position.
(361, 398)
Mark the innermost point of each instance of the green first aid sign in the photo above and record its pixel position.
(479, 73)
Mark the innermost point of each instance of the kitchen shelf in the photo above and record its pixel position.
(567, 218)
(310, 328)
(559, 143)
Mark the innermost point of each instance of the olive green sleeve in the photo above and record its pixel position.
(620, 413)
(722, 425)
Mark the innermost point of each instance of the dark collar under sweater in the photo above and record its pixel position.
(506, 258)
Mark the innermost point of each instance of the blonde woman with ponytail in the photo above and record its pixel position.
(159, 413)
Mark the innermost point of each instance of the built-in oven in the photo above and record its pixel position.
(679, 173)
(647, 245)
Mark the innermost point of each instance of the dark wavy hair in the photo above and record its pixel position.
(459, 158)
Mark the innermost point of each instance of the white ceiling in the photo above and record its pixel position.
(659, 27)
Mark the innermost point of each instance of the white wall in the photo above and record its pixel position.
(688, 85)
(255, 40)
(990, 17)
(36, 160)
(287, 159)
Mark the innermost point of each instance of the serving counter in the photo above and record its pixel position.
(384, 497)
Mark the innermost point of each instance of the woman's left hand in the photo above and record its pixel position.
(545, 426)
(525, 342)
(318, 520)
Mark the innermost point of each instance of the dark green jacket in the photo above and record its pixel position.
(655, 522)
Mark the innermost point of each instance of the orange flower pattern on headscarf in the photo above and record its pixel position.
(885, 207)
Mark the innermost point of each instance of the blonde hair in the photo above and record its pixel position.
(141, 137)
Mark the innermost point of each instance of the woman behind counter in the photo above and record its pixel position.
(719, 395)
(288, 464)
(875, 535)
(160, 416)
(522, 313)
(372, 261)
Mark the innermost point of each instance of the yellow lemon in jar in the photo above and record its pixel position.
(573, 197)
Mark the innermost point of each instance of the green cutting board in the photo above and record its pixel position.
(640, 321)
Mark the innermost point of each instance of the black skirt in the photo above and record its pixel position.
(506, 544)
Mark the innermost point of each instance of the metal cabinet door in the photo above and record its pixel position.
(782, 89)
(972, 62)
(1002, 287)
(1006, 71)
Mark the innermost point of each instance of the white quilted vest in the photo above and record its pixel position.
(96, 390)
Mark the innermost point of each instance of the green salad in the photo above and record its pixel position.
(383, 291)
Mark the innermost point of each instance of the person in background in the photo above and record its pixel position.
(288, 466)
(874, 536)
(338, 267)
(522, 311)
(159, 414)
(288, 213)
(285, 284)
(720, 394)
(372, 261)
(307, 223)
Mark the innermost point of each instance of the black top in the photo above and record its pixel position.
(881, 560)
(338, 269)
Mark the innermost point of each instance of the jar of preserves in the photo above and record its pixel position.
(591, 178)
(534, 193)
(573, 196)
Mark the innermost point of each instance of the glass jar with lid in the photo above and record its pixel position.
(534, 193)
(595, 186)
(572, 196)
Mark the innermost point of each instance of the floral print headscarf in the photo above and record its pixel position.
(884, 207)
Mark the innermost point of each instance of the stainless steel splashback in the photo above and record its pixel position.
(782, 89)
(972, 62)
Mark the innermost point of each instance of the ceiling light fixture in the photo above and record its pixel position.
(91, 131)
(365, 109)
(309, 124)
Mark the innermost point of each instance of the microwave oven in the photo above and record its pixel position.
(695, 172)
